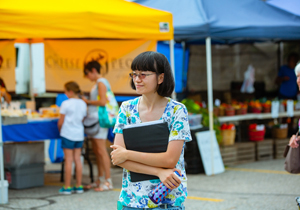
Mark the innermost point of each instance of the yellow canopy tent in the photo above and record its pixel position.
(109, 19)
(116, 19)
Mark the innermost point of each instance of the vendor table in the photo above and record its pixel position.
(34, 130)
(37, 130)
(253, 116)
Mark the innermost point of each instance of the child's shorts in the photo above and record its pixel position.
(68, 144)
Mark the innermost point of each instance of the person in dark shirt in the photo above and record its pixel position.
(287, 78)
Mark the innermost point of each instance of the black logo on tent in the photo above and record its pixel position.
(100, 56)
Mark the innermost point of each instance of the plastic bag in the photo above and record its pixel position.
(56, 153)
(249, 78)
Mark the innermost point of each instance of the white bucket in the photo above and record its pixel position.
(4, 198)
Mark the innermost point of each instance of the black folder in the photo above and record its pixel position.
(151, 137)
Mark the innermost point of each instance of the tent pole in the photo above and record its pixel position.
(183, 44)
(1, 162)
(31, 71)
(210, 96)
(172, 61)
(281, 45)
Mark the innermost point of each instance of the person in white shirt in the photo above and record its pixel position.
(72, 113)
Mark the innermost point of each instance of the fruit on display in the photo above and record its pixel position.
(191, 106)
(228, 134)
(226, 126)
(266, 106)
(256, 132)
(255, 106)
(195, 108)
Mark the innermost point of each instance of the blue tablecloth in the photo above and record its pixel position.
(32, 131)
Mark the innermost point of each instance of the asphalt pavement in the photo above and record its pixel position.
(258, 185)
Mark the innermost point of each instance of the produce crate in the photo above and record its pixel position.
(255, 135)
(241, 111)
(279, 147)
(264, 150)
(229, 111)
(245, 152)
(255, 109)
(229, 155)
(266, 109)
(279, 133)
(228, 137)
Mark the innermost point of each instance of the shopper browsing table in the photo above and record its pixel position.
(92, 71)
(152, 78)
(72, 112)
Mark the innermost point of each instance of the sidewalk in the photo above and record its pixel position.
(259, 185)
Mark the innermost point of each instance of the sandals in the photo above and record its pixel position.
(90, 186)
(93, 185)
(105, 185)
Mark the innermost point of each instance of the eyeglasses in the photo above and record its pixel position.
(133, 75)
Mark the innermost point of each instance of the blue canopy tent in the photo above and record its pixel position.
(229, 22)
(189, 17)
(291, 6)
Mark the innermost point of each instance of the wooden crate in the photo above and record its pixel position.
(229, 155)
(245, 152)
(264, 149)
(279, 147)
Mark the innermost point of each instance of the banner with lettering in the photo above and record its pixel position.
(8, 64)
(64, 61)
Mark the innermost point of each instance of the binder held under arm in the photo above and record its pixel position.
(150, 137)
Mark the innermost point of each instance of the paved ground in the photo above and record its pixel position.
(259, 185)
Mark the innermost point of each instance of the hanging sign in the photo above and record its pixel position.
(64, 61)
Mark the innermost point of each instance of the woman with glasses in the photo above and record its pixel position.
(98, 98)
(152, 78)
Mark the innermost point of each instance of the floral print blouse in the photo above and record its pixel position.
(135, 194)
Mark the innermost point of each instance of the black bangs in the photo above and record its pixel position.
(158, 63)
(145, 62)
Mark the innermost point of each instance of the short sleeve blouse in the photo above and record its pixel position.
(135, 194)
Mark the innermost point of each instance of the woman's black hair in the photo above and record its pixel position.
(158, 63)
(90, 65)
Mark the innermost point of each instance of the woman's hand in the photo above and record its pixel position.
(118, 155)
(169, 179)
(293, 141)
(5, 95)
(84, 99)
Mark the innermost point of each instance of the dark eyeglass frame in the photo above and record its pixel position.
(134, 75)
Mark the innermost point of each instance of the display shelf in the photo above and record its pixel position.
(252, 116)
